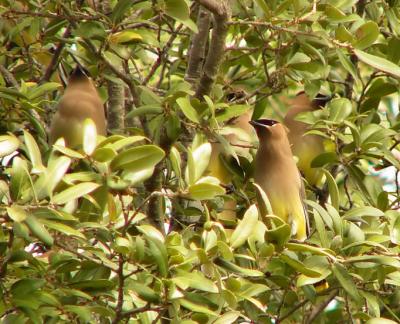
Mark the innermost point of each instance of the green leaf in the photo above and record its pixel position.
(372, 303)
(89, 136)
(93, 284)
(317, 263)
(237, 269)
(83, 312)
(333, 189)
(137, 158)
(380, 88)
(8, 145)
(380, 320)
(264, 7)
(188, 110)
(150, 231)
(124, 142)
(245, 227)
(201, 157)
(319, 224)
(264, 204)
(230, 112)
(127, 36)
(144, 292)
(43, 89)
(67, 151)
(26, 286)
(62, 228)
(343, 35)
(20, 178)
(196, 307)
(195, 280)
(346, 281)
(205, 190)
(378, 259)
(154, 109)
(339, 109)
(38, 230)
(299, 58)
(227, 318)
(159, 253)
(366, 35)
(17, 213)
(323, 159)
(53, 175)
(74, 192)
(378, 63)
(364, 211)
(299, 266)
(312, 249)
(347, 64)
(104, 154)
(177, 9)
(120, 9)
(34, 153)
(176, 163)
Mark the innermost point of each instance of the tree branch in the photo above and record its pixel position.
(198, 47)
(318, 309)
(221, 14)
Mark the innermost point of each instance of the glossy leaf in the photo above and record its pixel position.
(378, 63)
(245, 227)
(8, 145)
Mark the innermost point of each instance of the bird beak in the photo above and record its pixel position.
(255, 124)
(264, 123)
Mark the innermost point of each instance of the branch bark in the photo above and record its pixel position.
(116, 106)
(197, 52)
(221, 15)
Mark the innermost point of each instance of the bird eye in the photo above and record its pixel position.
(267, 122)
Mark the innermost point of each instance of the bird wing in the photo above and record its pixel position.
(302, 194)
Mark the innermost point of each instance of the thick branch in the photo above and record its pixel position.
(198, 47)
(116, 107)
(155, 206)
(221, 14)
(217, 7)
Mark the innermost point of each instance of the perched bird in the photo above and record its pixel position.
(275, 171)
(79, 102)
(240, 136)
(305, 147)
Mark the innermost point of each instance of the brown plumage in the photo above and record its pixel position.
(80, 101)
(216, 167)
(275, 171)
(305, 147)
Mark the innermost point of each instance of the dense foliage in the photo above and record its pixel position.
(128, 228)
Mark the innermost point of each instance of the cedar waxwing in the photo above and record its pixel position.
(80, 101)
(305, 147)
(216, 167)
(275, 171)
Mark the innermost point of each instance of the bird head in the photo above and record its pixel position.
(321, 100)
(79, 73)
(268, 128)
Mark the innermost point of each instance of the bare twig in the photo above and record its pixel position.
(295, 308)
(56, 56)
(161, 55)
(319, 308)
(121, 281)
(9, 77)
